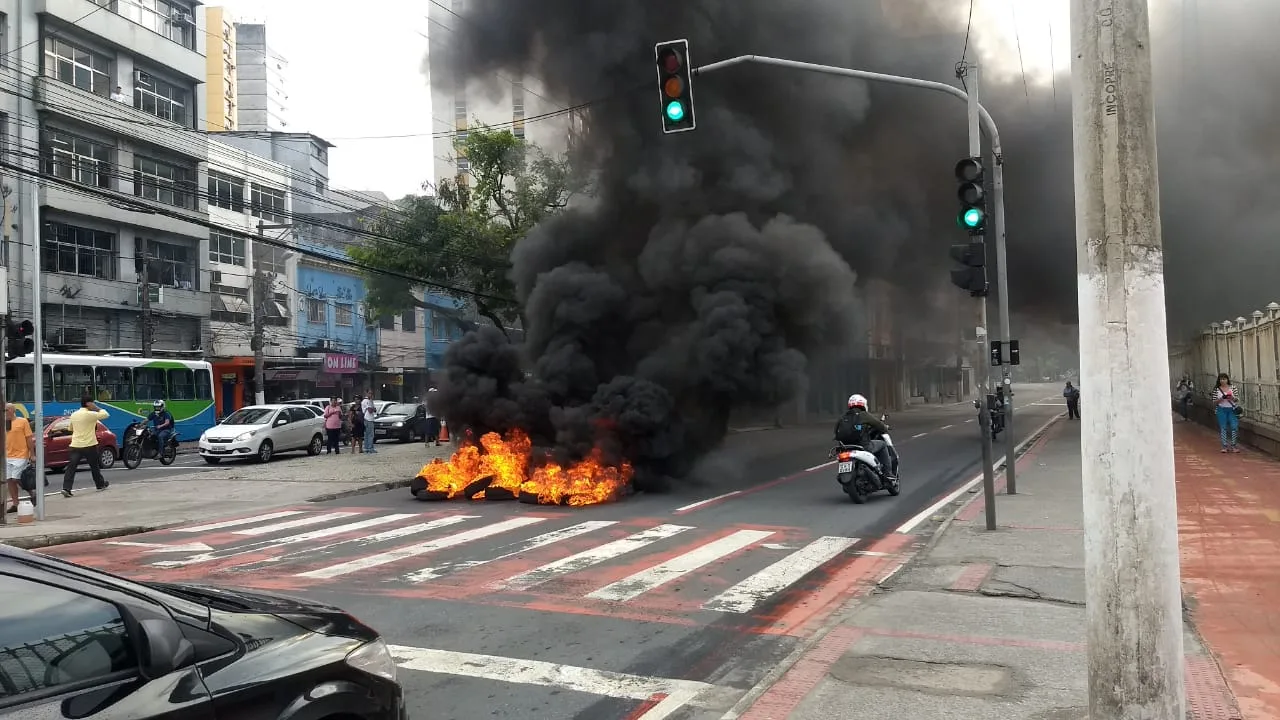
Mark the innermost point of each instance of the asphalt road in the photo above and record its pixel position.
(660, 606)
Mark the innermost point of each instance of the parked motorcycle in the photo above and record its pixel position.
(140, 442)
(859, 472)
(996, 414)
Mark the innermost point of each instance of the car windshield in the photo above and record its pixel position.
(400, 409)
(249, 416)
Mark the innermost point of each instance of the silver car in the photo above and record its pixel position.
(260, 431)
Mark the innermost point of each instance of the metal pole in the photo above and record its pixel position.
(37, 357)
(144, 301)
(4, 399)
(1133, 601)
(1006, 334)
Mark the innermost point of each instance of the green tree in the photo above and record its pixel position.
(462, 238)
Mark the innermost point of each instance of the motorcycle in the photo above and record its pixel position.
(859, 472)
(996, 414)
(140, 442)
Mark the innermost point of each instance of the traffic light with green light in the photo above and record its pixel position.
(675, 86)
(973, 199)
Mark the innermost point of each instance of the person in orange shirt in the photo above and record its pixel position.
(20, 448)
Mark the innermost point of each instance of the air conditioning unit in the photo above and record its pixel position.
(70, 338)
(181, 16)
(215, 277)
(140, 76)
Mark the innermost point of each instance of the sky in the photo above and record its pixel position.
(357, 75)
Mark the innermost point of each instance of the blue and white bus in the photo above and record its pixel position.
(123, 386)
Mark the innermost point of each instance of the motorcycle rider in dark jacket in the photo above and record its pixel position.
(857, 416)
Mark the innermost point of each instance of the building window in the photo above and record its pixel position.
(439, 327)
(315, 310)
(77, 159)
(269, 258)
(517, 109)
(320, 186)
(344, 314)
(76, 66)
(78, 251)
(409, 321)
(226, 191)
(171, 20)
(224, 248)
(267, 203)
(162, 99)
(162, 182)
(464, 165)
(170, 265)
(387, 322)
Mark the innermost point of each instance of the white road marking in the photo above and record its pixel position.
(819, 467)
(642, 582)
(285, 541)
(777, 546)
(392, 534)
(945, 427)
(928, 512)
(162, 548)
(744, 596)
(545, 674)
(971, 420)
(513, 550)
(448, 541)
(708, 501)
(587, 558)
(920, 435)
(241, 521)
(291, 524)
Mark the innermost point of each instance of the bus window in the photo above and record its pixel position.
(20, 382)
(182, 384)
(204, 385)
(115, 383)
(148, 384)
(72, 382)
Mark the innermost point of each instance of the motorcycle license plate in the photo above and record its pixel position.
(844, 467)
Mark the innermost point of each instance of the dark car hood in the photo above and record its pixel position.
(391, 418)
(312, 615)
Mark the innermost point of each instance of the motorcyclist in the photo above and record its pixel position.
(162, 420)
(856, 427)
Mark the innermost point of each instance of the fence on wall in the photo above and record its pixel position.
(1247, 349)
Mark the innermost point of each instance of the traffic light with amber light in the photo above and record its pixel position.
(17, 339)
(675, 86)
(973, 276)
(973, 199)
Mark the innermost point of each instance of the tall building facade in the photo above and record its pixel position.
(222, 98)
(107, 199)
(260, 81)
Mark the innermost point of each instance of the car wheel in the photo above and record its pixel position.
(212, 460)
(317, 444)
(265, 451)
(107, 457)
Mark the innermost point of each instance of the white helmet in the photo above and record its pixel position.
(857, 401)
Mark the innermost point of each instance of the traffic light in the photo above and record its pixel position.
(973, 199)
(675, 86)
(973, 277)
(1013, 353)
(17, 339)
(997, 354)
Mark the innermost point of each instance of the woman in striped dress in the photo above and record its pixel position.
(1225, 403)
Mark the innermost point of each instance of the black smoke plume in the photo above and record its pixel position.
(709, 268)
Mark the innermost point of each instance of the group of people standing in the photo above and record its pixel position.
(358, 420)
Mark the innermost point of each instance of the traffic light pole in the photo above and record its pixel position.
(984, 121)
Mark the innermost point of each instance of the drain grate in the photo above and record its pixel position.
(1207, 695)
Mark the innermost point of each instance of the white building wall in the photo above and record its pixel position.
(403, 348)
(261, 81)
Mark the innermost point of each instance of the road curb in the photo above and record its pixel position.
(42, 541)
(837, 618)
(366, 490)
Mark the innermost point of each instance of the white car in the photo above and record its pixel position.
(260, 431)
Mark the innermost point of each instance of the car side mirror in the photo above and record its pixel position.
(164, 648)
(281, 421)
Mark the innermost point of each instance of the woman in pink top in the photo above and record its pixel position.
(333, 425)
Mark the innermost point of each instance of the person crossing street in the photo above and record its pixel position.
(84, 445)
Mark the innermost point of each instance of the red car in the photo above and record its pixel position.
(57, 444)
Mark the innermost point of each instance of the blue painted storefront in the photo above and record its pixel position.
(337, 291)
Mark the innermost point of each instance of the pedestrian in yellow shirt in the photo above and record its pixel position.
(20, 448)
(84, 445)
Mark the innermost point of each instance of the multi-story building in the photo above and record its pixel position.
(221, 93)
(260, 81)
(245, 191)
(110, 130)
(307, 157)
(499, 101)
(402, 354)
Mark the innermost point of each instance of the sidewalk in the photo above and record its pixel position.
(232, 489)
(990, 625)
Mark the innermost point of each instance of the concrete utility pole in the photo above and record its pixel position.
(1133, 597)
(144, 300)
(258, 339)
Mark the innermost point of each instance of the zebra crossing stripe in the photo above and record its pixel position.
(642, 582)
(511, 551)
(587, 558)
(744, 596)
(242, 521)
(392, 534)
(448, 541)
(291, 540)
(291, 524)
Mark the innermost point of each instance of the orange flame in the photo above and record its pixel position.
(501, 464)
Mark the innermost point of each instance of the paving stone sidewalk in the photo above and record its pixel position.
(231, 489)
(981, 625)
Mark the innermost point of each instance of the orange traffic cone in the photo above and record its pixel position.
(444, 432)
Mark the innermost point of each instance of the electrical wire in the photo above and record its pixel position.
(1017, 35)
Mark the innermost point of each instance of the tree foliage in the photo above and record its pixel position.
(459, 242)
